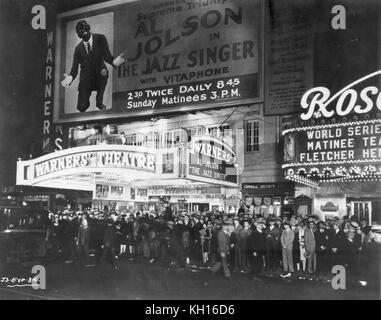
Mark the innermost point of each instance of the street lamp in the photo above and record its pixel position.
(286, 200)
(236, 165)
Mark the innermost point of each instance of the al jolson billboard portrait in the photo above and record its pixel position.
(129, 58)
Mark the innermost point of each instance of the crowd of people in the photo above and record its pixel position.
(289, 247)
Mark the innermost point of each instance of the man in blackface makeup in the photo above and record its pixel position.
(91, 54)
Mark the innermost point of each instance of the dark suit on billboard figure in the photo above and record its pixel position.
(91, 54)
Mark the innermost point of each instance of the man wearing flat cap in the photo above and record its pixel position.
(223, 248)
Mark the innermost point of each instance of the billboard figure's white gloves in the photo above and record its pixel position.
(118, 61)
(66, 82)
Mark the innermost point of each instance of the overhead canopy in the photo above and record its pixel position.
(351, 189)
(82, 168)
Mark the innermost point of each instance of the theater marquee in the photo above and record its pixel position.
(338, 136)
(109, 170)
(181, 55)
(82, 168)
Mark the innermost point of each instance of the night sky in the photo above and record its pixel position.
(21, 90)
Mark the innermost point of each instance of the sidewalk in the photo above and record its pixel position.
(136, 280)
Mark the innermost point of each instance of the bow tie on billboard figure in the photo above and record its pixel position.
(91, 54)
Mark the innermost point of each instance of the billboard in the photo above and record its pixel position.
(179, 55)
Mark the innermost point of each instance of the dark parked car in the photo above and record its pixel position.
(22, 233)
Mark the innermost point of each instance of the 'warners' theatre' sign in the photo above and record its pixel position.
(99, 159)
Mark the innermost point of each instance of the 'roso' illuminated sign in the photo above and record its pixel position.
(339, 141)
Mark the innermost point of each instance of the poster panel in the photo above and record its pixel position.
(109, 192)
(289, 54)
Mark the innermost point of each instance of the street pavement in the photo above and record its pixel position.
(139, 280)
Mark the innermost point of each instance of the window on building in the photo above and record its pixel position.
(200, 130)
(252, 135)
(139, 139)
(219, 131)
(177, 138)
(156, 140)
(192, 132)
(130, 139)
(148, 140)
(168, 139)
(168, 162)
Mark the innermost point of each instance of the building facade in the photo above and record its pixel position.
(209, 73)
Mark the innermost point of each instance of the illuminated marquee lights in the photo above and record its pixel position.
(355, 170)
(327, 126)
(342, 172)
(322, 163)
(352, 178)
(303, 180)
(314, 171)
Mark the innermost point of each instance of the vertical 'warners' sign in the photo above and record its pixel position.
(211, 160)
(53, 136)
(180, 54)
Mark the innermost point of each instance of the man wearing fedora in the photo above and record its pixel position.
(322, 252)
(236, 256)
(335, 244)
(194, 238)
(272, 245)
(174, 244)
(223, 243)
(287, 241)
(352, 247)
(109, 241)
(257, 243)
